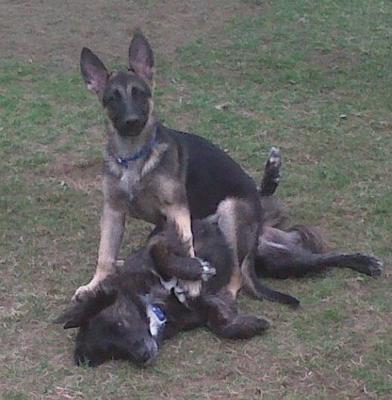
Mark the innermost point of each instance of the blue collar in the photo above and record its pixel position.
(143, 152)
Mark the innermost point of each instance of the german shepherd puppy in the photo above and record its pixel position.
(164, 176)
(131, 312)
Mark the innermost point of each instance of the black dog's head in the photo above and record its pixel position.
(117, 321)
(125, 318)
(126, 96)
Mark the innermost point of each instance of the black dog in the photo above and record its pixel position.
(132, 311)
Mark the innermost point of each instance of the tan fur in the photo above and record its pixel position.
(235, 283)
(227, 222)
(181, 217)
(112, 224)
(154, 159)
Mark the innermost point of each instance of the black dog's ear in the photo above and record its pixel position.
(94, 73)
(141, 57)
(81, 312)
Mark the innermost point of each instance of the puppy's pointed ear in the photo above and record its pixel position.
(94, 73)
(141, 57)
(81, 312)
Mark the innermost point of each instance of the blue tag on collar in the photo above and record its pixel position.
(159, 312)
(157, 318)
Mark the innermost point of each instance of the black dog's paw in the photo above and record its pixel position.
(365, 264)
(262, 324)
(373, 266)
(274, 158)
(207, 270)
(273, 165)
(272, 172)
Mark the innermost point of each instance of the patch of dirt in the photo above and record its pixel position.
(55, 31)
(85, 176)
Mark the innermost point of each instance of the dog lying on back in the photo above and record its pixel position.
(134, 310)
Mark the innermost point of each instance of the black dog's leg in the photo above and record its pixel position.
(224, 320)
(271, 177)
(170, 265)
(282, 255)
(359, 262)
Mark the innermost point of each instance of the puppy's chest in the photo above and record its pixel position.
(143, 194)
(130, 182)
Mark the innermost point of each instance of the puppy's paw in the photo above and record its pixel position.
(207, 270)
(187, 289)
(84, 291)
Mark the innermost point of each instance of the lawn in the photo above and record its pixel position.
(312, 78)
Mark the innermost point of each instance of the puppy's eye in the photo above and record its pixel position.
(111, 96)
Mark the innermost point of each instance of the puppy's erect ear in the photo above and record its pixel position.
(141, 57)
(94, 73)
(81, 312)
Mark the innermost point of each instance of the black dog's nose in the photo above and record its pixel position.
(149, 352)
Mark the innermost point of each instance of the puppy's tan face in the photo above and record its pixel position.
(126, 96)
(127, 100)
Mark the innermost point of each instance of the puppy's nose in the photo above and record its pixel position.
(131, 120)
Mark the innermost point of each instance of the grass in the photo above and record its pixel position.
(312, 79)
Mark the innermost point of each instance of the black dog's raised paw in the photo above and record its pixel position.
(272, 173)
(207, 270)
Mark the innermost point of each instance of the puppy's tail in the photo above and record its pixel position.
(256, 289)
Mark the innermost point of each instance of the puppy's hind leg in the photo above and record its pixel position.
(237, 223)
(255, 288)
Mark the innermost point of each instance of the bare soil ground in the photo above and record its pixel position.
(43, 31)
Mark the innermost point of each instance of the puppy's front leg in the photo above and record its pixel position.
(112, 229)
(181, 218)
